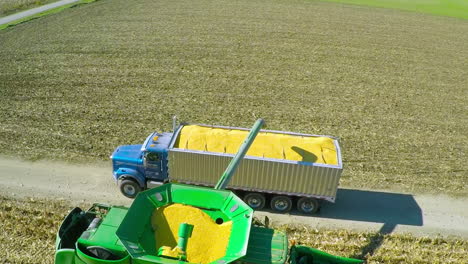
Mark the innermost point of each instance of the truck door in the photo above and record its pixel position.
(153, 166)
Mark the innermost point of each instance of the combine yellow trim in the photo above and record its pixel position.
(266, 144)
(208, 241)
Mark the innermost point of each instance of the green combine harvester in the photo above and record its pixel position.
(177, 224)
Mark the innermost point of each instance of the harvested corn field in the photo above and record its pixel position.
(28, 229)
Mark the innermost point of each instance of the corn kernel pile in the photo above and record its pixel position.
(208, 241)
(315, 149)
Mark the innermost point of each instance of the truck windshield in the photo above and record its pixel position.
(151, 156)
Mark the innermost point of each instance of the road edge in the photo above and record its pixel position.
(46, 12)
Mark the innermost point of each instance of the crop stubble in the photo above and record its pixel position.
(391, 85)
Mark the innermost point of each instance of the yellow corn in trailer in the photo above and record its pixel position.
(281, 169)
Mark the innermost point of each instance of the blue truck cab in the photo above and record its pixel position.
(136, 167)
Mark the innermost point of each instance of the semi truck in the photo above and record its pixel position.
(281, 169)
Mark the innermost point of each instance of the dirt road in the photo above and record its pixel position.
(354, 209)
(34, 11)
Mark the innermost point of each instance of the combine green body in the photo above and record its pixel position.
(119, 235)
(136, 233)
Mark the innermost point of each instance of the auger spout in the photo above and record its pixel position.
(227, 175)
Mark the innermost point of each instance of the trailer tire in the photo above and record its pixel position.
(308, 205)
(129, 188)
(255, 200)
(281, 204)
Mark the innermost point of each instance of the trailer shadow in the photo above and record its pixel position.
(390, 209)
(372, 206)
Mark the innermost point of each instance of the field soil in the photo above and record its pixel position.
(359, 210)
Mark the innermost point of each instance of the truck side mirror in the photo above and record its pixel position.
(145, 161)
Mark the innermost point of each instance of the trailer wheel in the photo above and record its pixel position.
(129, 188)
(308, 205)
(255, 200)
(281, 204)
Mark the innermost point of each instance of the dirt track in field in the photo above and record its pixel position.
(363, 210)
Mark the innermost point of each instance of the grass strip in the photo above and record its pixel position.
(8, 7)
(452, 8)
(45, 13)
(375, 247)
(29, 229)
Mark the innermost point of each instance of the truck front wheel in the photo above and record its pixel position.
(281, 204)
(255, 200)
(308, 205)
(129, 188)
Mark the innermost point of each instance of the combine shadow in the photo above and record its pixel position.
(306, 155)
(375, 241)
